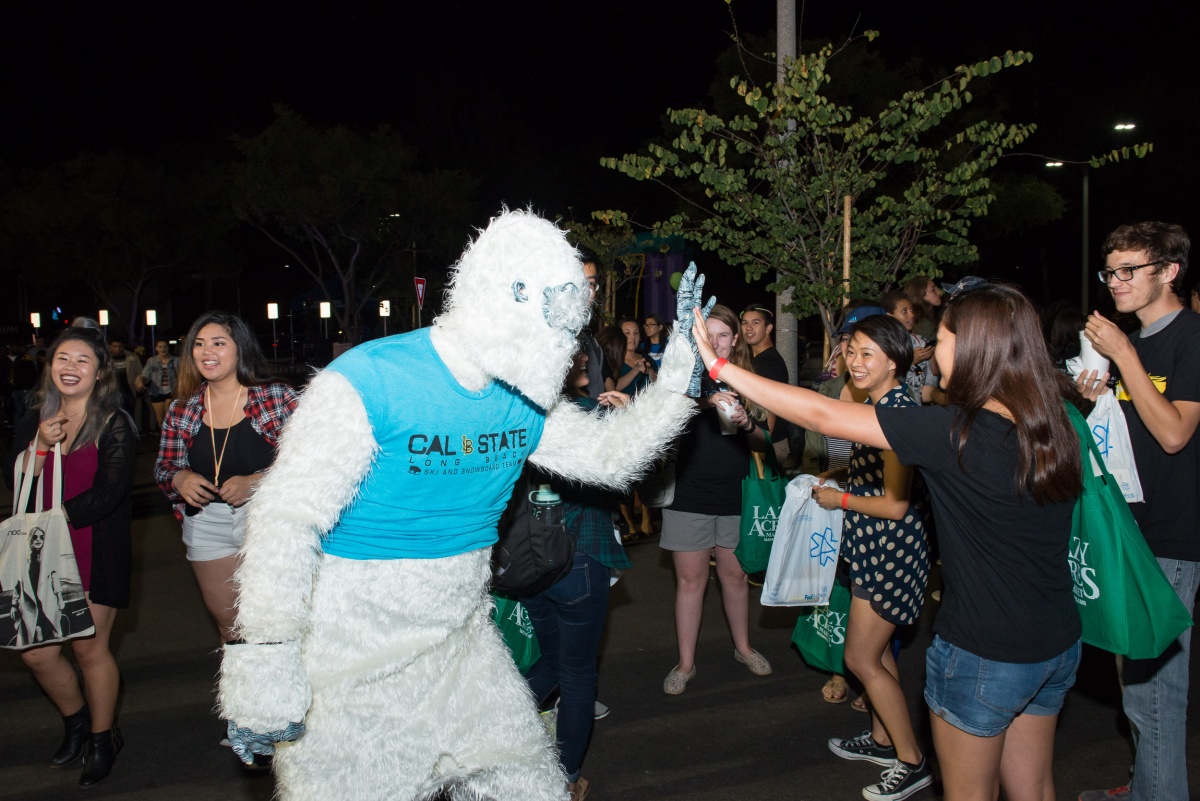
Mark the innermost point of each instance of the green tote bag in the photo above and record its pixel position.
(763, 491)
(1126, 604)
(820, 632)
(511, 617)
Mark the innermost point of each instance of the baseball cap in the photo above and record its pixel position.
(861, 313)
(965, 284)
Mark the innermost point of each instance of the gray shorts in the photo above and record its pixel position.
(215, 532)
(688, 531)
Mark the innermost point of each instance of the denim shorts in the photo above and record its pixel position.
(982, 697)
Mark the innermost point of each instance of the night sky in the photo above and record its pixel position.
(529, 95)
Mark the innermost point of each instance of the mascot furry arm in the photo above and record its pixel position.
(615, 450)
(327, 444)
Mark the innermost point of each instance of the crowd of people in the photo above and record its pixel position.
(941, 415)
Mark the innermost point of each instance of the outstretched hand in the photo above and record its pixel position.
(700, 337)
(687, 299)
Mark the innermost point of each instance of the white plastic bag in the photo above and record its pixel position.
(804, 556)
(1111, 432)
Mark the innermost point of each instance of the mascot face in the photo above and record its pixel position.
(517, 300)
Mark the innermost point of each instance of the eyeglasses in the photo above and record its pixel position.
(1124, 273)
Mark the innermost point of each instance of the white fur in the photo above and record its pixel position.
(412, 688)
(616, 449)
(508, 339)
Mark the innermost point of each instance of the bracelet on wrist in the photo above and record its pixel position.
(846, 501)
(715, 369)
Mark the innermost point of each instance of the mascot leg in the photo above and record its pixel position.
(413, 690)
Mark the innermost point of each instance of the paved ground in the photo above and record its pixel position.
(731, 736)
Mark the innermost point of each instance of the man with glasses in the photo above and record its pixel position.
(758, 322)
(1159, 365)
(595, 353)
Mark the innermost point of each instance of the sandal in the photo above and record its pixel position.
(835, 690)
(859, 704)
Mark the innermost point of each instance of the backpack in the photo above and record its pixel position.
(530, 555)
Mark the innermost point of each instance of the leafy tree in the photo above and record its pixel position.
(351, 210)
(764, 189)
(122, 226)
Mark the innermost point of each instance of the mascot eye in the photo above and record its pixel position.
(518, 288)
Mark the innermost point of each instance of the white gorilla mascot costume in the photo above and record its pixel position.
(363, 608)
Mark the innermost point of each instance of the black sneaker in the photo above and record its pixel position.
(863, 747)
(899, 782)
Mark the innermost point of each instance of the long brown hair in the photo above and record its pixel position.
(1000, 356)
(915, 288)
(252, 368)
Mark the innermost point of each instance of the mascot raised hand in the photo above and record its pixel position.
(366, 649)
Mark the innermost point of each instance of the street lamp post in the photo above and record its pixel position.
(273, 315)
(1085, 211)
(325, 312)
(385, 311)
(152, 321)
(36, 319)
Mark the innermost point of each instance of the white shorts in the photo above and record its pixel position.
(215, 532)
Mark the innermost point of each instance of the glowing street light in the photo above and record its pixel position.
(385, 311)
(273, 315)
(326, 310)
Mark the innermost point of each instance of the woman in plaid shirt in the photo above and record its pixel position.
(218, 438)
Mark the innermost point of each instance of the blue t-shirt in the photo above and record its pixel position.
(448, 457)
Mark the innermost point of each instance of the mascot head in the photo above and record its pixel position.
(517, 299)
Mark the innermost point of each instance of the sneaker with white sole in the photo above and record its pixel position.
(864, 748)
(601, 711)
(1115, 794)
(899, 782)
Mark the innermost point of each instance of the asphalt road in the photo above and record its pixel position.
(731, 737)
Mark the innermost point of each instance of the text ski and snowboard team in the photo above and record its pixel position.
(940, 413)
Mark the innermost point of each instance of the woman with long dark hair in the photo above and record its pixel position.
(78, 408)
(218, 438)
(1003, 467)
(926, 299)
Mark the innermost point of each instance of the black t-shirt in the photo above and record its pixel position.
(710, 466)
(769, 364)
(1170, 516)
(1008, 594)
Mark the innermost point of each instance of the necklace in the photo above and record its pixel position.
(212, 431)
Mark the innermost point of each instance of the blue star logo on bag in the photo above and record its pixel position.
(824, 546)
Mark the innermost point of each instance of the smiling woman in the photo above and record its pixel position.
(217, 440)
(77, 408)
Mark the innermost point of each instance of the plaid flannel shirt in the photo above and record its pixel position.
(267, 406)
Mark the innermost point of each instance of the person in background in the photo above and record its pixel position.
(926, 299)
(1062, 322)
(127, 368)
(158, 380)
(654, 339)
(758, 324)
(705, 516)
(1145, 266)
(78, 408)
(568, 617)
(591, 346)
(920, 380)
